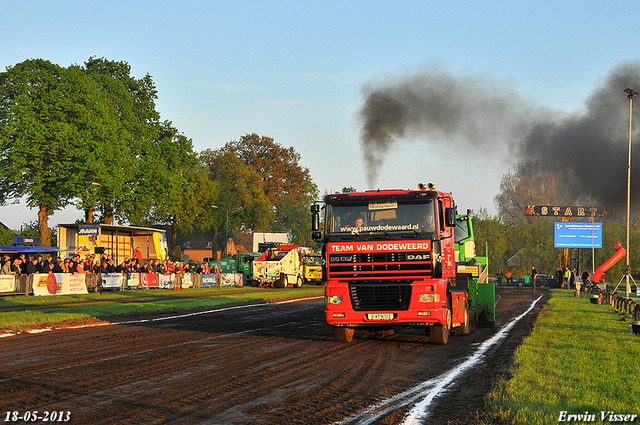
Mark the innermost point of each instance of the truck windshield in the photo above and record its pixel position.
(381, 217)
(313, 261)
(462, 230)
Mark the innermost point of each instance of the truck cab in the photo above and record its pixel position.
(390, 262)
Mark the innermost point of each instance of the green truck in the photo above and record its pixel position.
(241, 263)
(482, 294)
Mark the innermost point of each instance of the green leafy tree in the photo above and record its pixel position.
(172, 189)
(48, 116)
(490, 233)
(122, 144)
(241, 203)
(285, 182)
(6, 236)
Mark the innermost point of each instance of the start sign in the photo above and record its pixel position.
(564, 211)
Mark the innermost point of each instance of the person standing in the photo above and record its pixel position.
(32, 266)
(585, 278)
(138, 254)
(567, 278)
(6, 267)
(216, 270)
(534, 275)
(509, 276)
(572, 279)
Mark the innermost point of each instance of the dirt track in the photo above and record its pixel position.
(251, 364)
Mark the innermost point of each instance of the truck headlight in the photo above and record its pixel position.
(429, 298)
(334, 299)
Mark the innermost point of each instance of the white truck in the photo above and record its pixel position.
(268, 240)
(279, 267)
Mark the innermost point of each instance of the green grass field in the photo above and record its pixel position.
(20, 311)
(580, 359)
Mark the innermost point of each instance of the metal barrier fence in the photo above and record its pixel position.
(24, 284)
(621, 304)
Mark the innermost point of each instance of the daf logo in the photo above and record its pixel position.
(340, 259)
(417, 257)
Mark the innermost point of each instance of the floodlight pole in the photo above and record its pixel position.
(213, 238)
(631, 95)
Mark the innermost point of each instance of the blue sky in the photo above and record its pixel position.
(294, 70)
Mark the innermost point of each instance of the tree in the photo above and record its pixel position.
(491, 233)
(48, 116)
(133, 126)
(169, 187)
(241, 203)
(62, 129)
(532, 183)
(283, 180)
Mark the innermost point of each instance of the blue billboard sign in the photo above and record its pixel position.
(577, 235)
(23, 240)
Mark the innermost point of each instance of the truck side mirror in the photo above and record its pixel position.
(450, 217)
(316, 236)
(315, 218)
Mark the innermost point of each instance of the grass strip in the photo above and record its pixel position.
(580, 359)
(22, 311)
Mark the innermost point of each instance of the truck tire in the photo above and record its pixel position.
(281, 282)
(299, 282)
(343, 334)
(439, 334)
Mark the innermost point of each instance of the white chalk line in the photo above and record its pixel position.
(431, 389)
(157, 319)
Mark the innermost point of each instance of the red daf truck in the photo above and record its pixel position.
(390, 261)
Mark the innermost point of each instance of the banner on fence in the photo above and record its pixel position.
(112, 280)
(59, 284)
(72, 284)
(133, 280)
(148, 280)
(231, 279)
(208, 280)
(7, 283)
(186, 281)
(166, 281)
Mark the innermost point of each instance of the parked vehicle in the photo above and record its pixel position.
(312, 268)
(279, 267)
(242, 263)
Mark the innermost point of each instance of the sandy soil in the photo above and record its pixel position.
(250, 364)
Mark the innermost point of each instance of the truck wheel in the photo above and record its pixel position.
(299, 282)
(343, 334)
(439, 334)
(281, 282)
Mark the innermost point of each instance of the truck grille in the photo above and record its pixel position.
(386, 265)
(382, 295)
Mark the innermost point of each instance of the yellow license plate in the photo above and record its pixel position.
(383, 316)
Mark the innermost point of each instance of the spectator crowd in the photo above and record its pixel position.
(93, 264)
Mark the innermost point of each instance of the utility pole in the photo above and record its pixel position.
(631, 95)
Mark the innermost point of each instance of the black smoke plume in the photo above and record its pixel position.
(445, 110)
